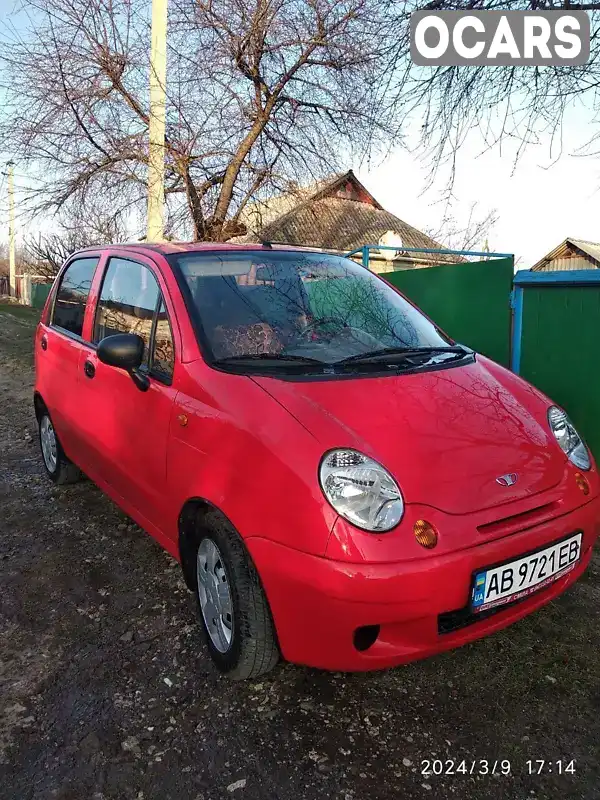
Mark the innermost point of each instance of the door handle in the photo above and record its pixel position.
(44, 342)
(89, 369)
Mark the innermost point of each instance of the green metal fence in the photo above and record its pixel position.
(470, 300)
(555, 342)
(547, 329)
(39, 294)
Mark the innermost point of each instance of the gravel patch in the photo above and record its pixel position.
(106, 692)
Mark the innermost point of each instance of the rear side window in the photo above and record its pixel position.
(72, 295)
(131, 302)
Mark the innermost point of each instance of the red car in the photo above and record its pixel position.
(343, 484)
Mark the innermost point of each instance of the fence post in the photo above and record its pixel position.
(365, 256)
(517, 329)
(26, 290)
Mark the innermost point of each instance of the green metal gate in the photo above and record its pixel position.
(555, 342)
(470, 301)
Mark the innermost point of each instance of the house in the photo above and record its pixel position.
(340, 215)
(570, 254)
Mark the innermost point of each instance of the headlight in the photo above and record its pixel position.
(361, 490)
(567, 437)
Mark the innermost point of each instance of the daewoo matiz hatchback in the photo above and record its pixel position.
(342, 483)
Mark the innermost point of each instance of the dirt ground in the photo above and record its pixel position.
(106, 692)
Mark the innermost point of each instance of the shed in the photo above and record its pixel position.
(569, 255)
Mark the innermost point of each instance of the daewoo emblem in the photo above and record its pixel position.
(507, 480)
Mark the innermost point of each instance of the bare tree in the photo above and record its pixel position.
(470, 235)
(260, 92)
(45, 253)
(521, 104)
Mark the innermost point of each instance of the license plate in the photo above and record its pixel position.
(514, 580)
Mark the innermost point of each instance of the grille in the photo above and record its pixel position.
(451, 621)
(517, 522)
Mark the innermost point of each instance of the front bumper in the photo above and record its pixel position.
(318, 604)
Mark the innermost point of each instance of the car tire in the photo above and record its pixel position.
(58, 467)
(232, 606)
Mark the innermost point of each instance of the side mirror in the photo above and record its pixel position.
(124, 351)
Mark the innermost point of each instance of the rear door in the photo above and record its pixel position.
(61, 339)
(125, 429)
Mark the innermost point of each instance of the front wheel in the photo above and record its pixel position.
(233, 608)
(58, 466)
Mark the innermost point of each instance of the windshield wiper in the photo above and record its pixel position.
(278, 358)
(388, 353)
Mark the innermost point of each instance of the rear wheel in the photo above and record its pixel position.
(59, 468)
(234, 612)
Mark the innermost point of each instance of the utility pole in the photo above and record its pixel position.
(12, 279)
(157, 123)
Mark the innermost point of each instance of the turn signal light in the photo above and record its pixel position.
(425, 534)
(582, 483)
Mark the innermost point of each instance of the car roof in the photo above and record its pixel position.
(168, 248)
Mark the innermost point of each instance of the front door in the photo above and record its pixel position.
(126, 430)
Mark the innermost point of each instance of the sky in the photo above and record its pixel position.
(540, 200)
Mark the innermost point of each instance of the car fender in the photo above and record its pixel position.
(236, 448)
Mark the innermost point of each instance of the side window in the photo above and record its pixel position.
(72, 295)
(128, 301)
(163, 353)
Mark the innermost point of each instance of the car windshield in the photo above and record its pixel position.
(282, 308)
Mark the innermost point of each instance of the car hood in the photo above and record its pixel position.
(446, 435)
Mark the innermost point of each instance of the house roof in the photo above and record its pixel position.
(260, 213)
(341, 215)
(589, 250)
